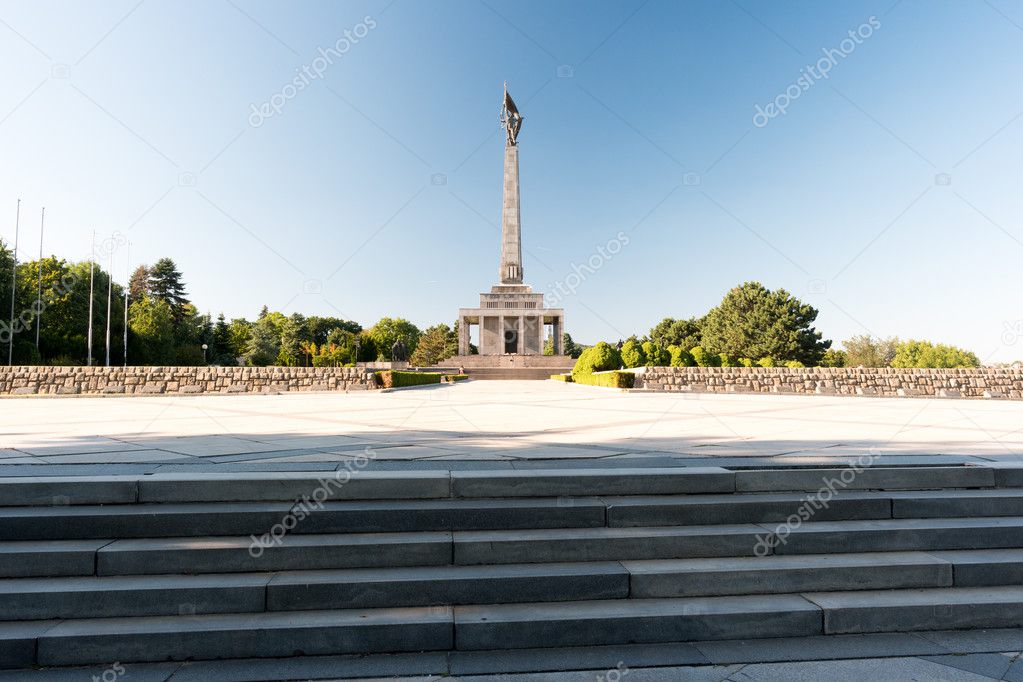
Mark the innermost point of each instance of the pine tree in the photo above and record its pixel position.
(165, 285)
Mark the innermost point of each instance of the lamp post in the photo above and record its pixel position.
(204, 347)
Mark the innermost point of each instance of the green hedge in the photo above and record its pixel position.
(613, 379)
(567, 378)
(455, 377)
(391, 379)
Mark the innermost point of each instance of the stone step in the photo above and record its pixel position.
(99, 597)
(202, 637)
(957, 503)
(786, 574)
(49, 558)
(234, 518)
(522, 626)
(605, 544)
(984, 567)
(896, 535)
(444, 585)
(957, 608)
(291, 552)
(873, 478)
(684, 510)
(574, 482)
(359, 485)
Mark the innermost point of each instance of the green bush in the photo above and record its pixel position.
(393, 379)
(794, 364)
(745, 362)
(632, 354)
(932, 355)
(599, 358)
(567, 378)
(455, 377)
(680, 357)
(726, 361)
(833, 358)
(766, 362)
(613, 379)
(704, 359)
(656, 354)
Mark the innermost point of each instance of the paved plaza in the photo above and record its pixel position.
(500, 424)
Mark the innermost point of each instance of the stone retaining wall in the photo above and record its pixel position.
(179, 380)
(941, 383)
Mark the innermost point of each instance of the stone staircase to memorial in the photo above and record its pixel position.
(182, 567)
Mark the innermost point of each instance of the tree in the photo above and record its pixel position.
(221, 352)
(834, 358)
(319, 327)
(632, 353)
(683, 333)
(264, 343)
(239, 333)
(753, 321)
(138, 285)
(930, 355)
(165, 284)
(656, 356)
(867, 351)
(292, 333)
(388, 330)
(438, 343)
(152, 325)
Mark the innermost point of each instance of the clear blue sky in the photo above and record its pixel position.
(110, 110)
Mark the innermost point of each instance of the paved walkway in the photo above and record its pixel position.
(497, 424)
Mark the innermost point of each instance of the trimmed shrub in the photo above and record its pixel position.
(794, 364)
(704, 359)
(567, 378)
(614, 379)
(632, 354)
(726, 361)
(680, 357)
(599, 358)
(394, 379)
(766, 362)
(745, 362)
(656, 355)
(455, 377)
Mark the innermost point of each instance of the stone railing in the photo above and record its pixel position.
(941, 383)
(32, 380)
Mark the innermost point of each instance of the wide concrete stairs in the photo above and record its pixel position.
(228, 566)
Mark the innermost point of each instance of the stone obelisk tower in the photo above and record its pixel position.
(512, 320)
(511, 225)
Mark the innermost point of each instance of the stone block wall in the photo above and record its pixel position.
(33, 380)
(888, 382)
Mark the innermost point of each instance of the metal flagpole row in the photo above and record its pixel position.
(92, 279)
(14, 286)
(39, 291)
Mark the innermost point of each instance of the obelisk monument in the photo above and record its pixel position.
(512, 321)
(511, 225)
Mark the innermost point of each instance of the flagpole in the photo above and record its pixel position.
(39, 292)
(110, 290)
(92, 278)
(127, 292)
(14, 286)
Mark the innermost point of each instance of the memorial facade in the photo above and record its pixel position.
(511, 319)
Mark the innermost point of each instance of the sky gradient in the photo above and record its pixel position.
(887, 194)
